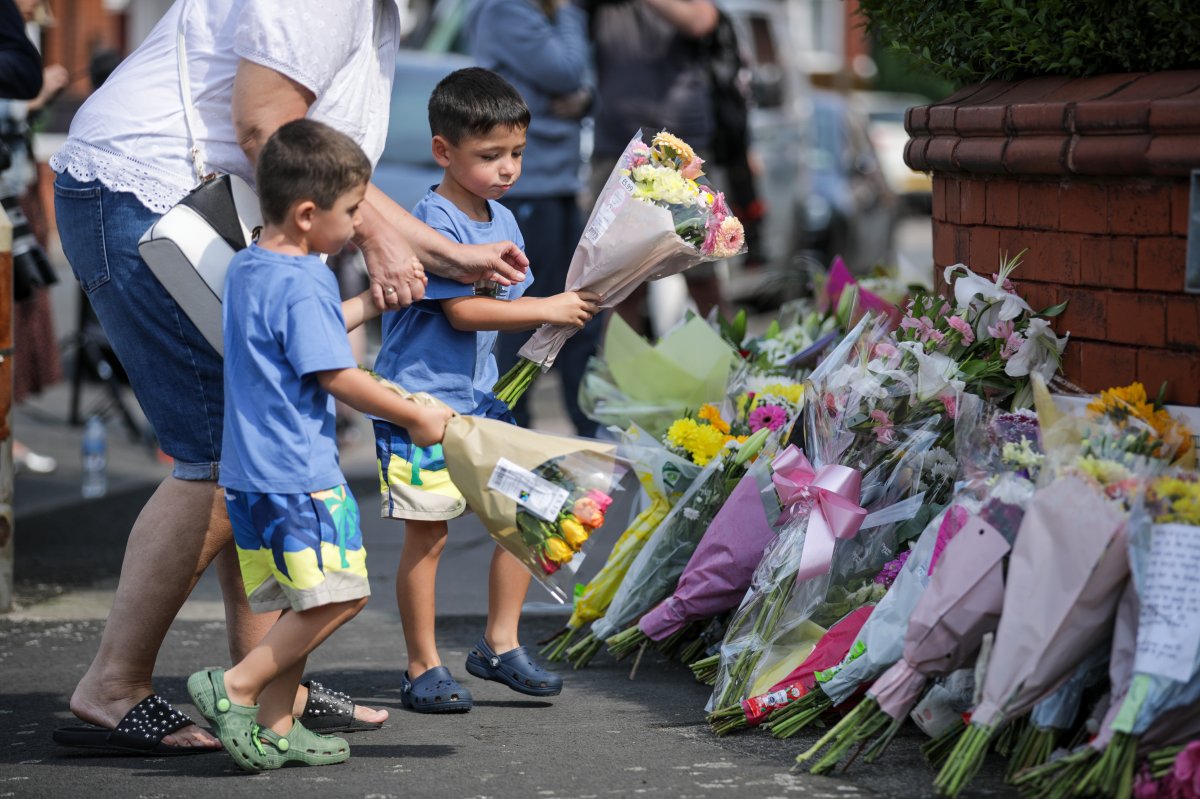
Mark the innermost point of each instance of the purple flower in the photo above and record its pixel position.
(891, 570)
(771, 416)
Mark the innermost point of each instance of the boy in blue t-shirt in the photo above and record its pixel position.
(443, 346)
(295, 523)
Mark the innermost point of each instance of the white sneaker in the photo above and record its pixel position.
(35, 463)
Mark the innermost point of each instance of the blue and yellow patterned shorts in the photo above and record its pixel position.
(413, 481)
(299, 551)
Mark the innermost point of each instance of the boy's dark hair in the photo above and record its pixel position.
(473, 102)
(307, 160)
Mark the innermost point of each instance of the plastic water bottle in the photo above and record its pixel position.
(95, 459)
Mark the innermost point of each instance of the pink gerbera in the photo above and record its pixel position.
(769, 416)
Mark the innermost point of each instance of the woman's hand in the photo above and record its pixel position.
(502, 262)
(397, 276)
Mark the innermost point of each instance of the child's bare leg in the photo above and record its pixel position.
(416, 581)
(283, 652)
(508, 582)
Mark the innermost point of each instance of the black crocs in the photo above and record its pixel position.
(435, 691)
(516, 668)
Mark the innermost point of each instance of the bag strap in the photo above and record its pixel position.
(185, 92)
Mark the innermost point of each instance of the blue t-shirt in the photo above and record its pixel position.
(282, 322)
(421, 350)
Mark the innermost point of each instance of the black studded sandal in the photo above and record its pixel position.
(140, 732)
(328, 711)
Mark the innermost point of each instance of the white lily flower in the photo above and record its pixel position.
(1040, 354)
(969, 285)
(936, 372)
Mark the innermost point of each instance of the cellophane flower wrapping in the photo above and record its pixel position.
(540, 496)
(633, 382)
(652, 219)
(656, 569)
(894, 466)
(999, 443)
(665, 478)
(1070, 560)
(720, 569)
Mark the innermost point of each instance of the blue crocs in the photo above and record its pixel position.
(515, 668)
(435, 691)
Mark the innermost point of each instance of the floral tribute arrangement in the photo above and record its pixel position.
(855, 519)
(653, 218)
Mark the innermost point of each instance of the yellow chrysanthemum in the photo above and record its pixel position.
(711, 414)
(682, 433)
(676, 146)
(1179, 501)
(792, 392)
(707, 442)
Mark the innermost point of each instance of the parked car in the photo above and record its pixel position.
(885, 125)
(406, 168)
(851, 211)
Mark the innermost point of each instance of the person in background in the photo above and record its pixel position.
(257, 64)
(20, 61)
(540, 47)
(36, 361)
(443, 346)
(652, 74)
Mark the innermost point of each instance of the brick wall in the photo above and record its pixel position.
(1115, 251)
(1091, 179)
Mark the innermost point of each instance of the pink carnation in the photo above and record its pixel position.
(951, 403)
(960, 324)
(693, 169)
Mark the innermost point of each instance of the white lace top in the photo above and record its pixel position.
(131, 134)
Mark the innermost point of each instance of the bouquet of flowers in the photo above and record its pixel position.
(634, 382)
(720, 569)
(1165, 669)
(795, 337)
(985, 452)
(883, 465)
(1070, 560)
(821, 649)
(657, 567)
(664, 477)
(653, 218)
(541, 499)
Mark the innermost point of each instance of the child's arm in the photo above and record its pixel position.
(357, 310)
(360, 391)
(573, 308)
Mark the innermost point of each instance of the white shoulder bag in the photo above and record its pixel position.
(189, 248)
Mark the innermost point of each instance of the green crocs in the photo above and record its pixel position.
(302, 745)
(234, 725)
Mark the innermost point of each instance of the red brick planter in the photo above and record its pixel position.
(1091, 176)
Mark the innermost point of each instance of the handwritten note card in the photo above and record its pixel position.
(1169, 624)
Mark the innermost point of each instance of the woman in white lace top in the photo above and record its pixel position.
(253, 64)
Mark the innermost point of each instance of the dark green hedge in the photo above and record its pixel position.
(973, 40)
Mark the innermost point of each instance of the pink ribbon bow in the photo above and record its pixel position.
(834, 494)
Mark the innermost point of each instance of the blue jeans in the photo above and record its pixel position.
(551, 227)
(175, 374)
